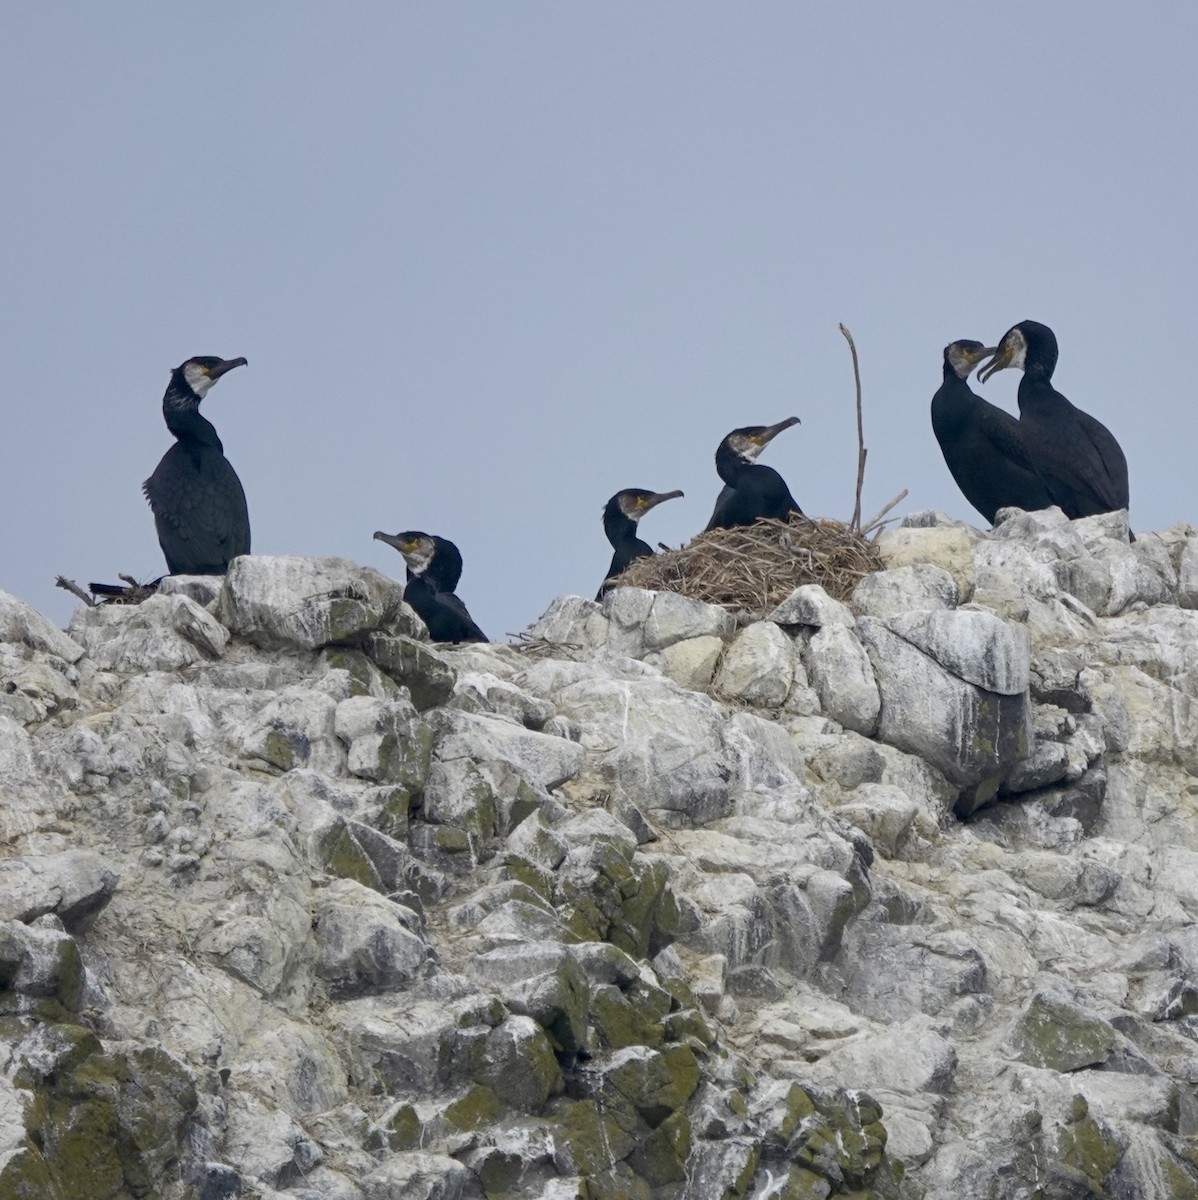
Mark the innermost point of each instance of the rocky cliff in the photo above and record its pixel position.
(891, 899)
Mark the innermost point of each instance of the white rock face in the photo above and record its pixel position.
(654, 905)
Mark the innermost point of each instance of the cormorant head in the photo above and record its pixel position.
(963, 355)
(199, 374)
(1029, 347)
(418, 549)
(633, 503)
(749, 442)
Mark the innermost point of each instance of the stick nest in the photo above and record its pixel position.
(755, 567)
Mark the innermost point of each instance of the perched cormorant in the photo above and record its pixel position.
(753, 491)
(1076, 456)
(620, 515)
(982, 445)
(197, 500)
(430, 559)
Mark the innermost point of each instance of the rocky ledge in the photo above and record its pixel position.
(889, 899)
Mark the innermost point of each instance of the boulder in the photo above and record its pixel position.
(310, 602)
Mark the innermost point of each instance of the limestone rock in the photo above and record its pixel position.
(309, 602)
(921, 586)
(758, 666)
(21, 623)
(840, 672)
(163, 633)
(674, 618)
(973, 735)
(364, 945)
(809, 604)
(74, 885)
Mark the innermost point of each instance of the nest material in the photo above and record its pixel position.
(755, 567)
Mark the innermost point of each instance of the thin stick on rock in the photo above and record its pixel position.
(876, 519)
(855, 523)
(69, 585)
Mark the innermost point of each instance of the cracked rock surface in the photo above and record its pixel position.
(893, 898)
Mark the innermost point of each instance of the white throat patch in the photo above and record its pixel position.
(1018, 344)
(419, 559)
(197, 379)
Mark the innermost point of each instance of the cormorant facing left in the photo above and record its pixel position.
(441, 610)
(197, 500)
(620, 516)
(1076, 456)
(753, 492)
(983, 446)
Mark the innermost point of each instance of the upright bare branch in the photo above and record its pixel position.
(855, 523)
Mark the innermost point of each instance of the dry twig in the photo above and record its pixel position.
(71, 586)
(855, 523)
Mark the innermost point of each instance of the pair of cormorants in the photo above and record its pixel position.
(752, 492)
(203, 522)
(1053, 454)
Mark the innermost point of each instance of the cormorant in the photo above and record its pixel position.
(620, 515)
(983, 446)
(1076, 456)
(197, 500)
(438, 607)
(753, 491)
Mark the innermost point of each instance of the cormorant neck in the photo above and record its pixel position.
(181, 411)
(618, 527)
(730, 466)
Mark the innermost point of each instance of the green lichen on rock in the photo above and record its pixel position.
(283, 751)
(365, 678)
(621, 899)
(620, 1021)
(656, 1082)
(479, 1106)
(342, 855)
(1054, 1032)
(404, 1128)
(102, 1124)
(661, 1158)
(596, 1138)
(530, 874)
(428, 678)
(519, 1065)
(394, 811)
(1089, 1151)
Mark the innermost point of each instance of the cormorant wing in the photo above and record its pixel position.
(1003, 432)
(199, 510)
(719, 514)
(1111, 487)
(469, 631)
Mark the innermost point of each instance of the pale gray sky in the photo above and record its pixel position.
(492, 262)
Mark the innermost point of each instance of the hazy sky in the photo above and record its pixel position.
(491, 262)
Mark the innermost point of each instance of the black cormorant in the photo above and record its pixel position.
(197, 500)
(620, 516)
(438, 607)
(1076, 456)
(982, 445)
(753, 491)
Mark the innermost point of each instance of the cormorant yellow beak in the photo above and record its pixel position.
(1000, 359)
